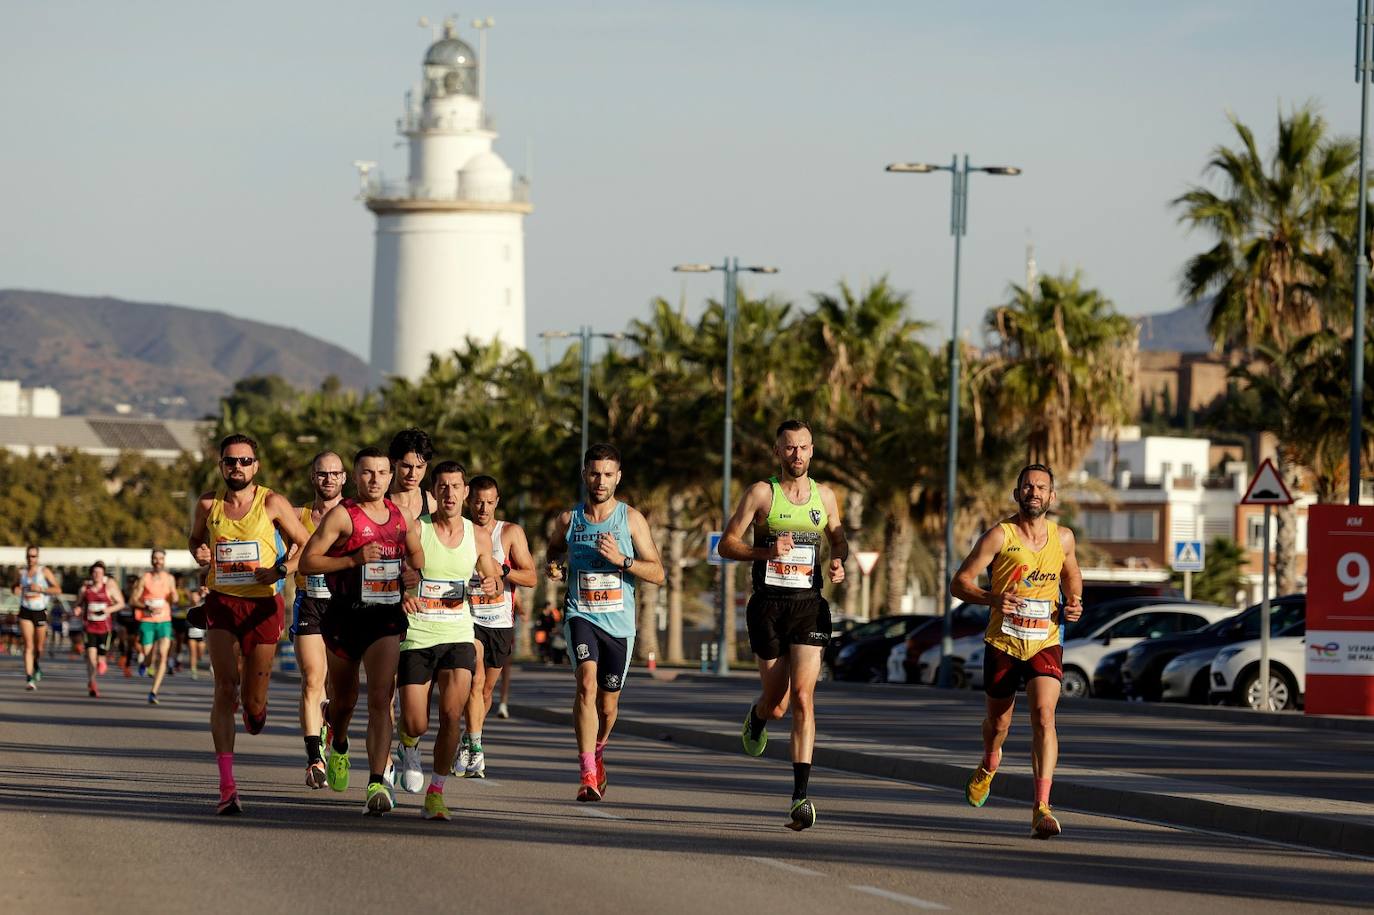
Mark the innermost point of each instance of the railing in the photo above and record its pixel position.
(414, 122)
(376, 189)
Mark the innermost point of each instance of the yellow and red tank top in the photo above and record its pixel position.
(159, 591)
(311, 585)
(1032, 576)
(238, 548)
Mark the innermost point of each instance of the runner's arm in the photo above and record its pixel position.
(646, 565)
(52, 589)
(1071, 578)
(117, 600)
(198, 543)
(335, 526)
(834, 532)
(558, 547)
(487, 566)
(522, 573)
(415, 553)
(756, 499)
(965, 582)
(136, 595)
(292, 530)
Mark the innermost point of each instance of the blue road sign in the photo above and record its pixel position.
(1189, 556)
(713, 549)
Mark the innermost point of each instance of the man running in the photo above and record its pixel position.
(438, 646)
(152, 601)
(195, 635)
(99, 600)
(359, 548)
(410, 452)
(609, 548)
(36, 587)
(1032, 562)
(788, 619)
(327, 477)
(493, 615)
(235, 537)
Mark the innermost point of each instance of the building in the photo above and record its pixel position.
(106, 437)
(450, 250)
(16, 400)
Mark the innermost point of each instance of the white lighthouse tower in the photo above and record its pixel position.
(450, 258)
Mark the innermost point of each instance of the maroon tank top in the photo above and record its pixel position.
(97, 620)
(371, 584)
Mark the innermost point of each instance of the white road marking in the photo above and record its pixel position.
(593, 812)
(900, 897)
(784, 866)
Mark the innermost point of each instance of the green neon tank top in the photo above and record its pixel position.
(797, 574)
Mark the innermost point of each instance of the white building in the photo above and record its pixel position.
(16, 400)
(450, 261)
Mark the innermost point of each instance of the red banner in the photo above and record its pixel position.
(1340, 610)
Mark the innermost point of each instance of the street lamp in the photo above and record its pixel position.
(1364, 63)
(958, 225)
(731, 268)
(584, 334)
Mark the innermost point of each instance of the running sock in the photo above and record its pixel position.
(991, 760)
(375, 778)
(407, 740)
(1042, 791)
(588, 763)
(756, 724)
(340, 742)
(226, 772)
(600, 750)
(475, 740)
(312, 748)
(801, 777)
(436, 783)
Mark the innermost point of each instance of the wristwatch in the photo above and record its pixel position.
(281, 570)
(627, 563)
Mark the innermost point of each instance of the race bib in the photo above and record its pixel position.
(34, 600)
(1031, 623)
(155, 603)
(600, 592)
(315, 586)
(490, 610)
(235, 562)
(382, 582)
(95, 611)
(792, 570)
(442, 601)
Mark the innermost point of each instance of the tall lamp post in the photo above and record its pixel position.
(731, 268)
(585, 335)
(1364, 63)
(958, 225)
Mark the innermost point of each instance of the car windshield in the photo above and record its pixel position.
(867, 629)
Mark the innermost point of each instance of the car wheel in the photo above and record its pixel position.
(1283, 694)
(1075, 684)
(877, 675)
(957, 678)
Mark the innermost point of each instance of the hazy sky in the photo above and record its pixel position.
(200, 154)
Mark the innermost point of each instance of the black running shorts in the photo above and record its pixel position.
(588, 643)
(497, 645)
(37, 617)
(100, 641)
(776, 623)
(350, 629)
(309, 615)
(419, 665)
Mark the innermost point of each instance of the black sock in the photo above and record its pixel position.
(801, 775)
(340, 742)
(375, 778)
(312, 749)
(756, 724)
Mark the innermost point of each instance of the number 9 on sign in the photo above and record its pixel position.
(1352, 570)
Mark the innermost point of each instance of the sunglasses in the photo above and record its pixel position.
(238, 461)
(329, 474)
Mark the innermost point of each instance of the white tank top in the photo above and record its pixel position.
(497, 611)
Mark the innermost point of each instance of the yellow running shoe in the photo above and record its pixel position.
(434, 806)
(1043, 823)
(336, 770)
(978, 787)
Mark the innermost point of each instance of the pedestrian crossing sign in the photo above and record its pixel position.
(1189, 556)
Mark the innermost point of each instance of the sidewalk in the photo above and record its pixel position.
(1279, 779)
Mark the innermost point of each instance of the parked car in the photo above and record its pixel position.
(966, 620)
(1144, 666)
(928, 667)
(865, 657)
(1236, 675)
(848, 631)
(896, 663)
(1107, 676)
(1188, 677)
(1081, 655)
(1102, 611)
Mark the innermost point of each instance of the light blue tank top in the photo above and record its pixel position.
(597, 591)
(37, 582)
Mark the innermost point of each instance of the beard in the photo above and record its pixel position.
(1032, 511)
(237, 485)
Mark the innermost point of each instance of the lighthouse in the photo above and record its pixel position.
(450, 252)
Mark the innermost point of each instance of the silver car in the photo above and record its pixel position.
(1186, 677)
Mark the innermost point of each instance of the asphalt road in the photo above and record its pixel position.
(106, 805)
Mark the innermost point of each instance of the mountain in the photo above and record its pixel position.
(1183, 330)
(165, 360)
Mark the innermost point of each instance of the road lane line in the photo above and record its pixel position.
(593, 812)
(784, 866)
(900, 897)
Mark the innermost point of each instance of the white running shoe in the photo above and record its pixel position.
(502, 711)
(460, 764)
(412, 779)
(389, 776)
(477, 765)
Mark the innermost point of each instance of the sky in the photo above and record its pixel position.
(201, 154)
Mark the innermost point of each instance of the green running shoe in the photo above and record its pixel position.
(802, 815)
(379, 800)
(336, 770)
(434, 806)
(751, 746)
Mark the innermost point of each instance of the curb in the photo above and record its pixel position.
(1173, 809)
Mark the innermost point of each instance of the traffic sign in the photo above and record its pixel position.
(1189, 556)
(713, 548)
(1340, 610)
(868, 561)
(1267, 487)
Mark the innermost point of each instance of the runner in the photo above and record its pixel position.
(152, 601)
(359, 547)
(327, 476)
(36, 587)
(1033, 563)
(126, 631)
(609, 548)
(438, 646)
(195, 635)
(503, 710)
(788, 619)
(99, 599)
(493, 616)
(235, 538)
(410, 451)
